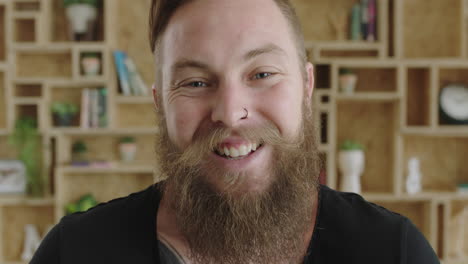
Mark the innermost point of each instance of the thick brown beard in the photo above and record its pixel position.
(220, 227)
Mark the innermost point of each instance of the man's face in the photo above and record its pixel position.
(239, 71)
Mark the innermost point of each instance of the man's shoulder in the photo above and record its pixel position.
(355, 209)
(116, 211)
(121, 225)
(359, 229)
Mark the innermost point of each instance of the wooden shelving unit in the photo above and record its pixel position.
(394, 111)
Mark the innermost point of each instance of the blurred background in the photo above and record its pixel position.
(77, 122)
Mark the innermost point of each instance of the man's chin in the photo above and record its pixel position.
(238, 183)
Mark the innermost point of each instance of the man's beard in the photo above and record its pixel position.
(269, 226)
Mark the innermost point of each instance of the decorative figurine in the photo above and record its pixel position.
(351, 162)
(32, 240)
(413, 180)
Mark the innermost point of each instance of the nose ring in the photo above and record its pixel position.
(246, 113)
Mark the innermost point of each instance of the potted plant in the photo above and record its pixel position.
(348, 81)
(79, 150)
(127, 149)
(64, 113)
(91, 63)
(351, 165)
(26, 139)
(81, 15)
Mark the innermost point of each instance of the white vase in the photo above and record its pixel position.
(91, 66)
(351, 166)
(348, 83)
(80, 15)
(127, 151)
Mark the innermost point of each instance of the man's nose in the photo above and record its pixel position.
(230, 105)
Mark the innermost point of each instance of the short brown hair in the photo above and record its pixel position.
(162, 10)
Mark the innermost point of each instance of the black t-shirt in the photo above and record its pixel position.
(348, 230)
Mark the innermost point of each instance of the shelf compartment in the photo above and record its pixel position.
(28, 5)
(28, 90)
(457, 228)
(105, 148)
(317, 20)
(7, 151)
(374, 79)
(448, 76)
(84, 53)
(44, 64)
(59, 23)
(442, 160)
(103, 187)
(323, 76)
(17, 217)
(72, 94)
(25, 30)
(27, 110)
(418, 97)
(373, 125)
(127, 112)
(2, 33)
(429, 25)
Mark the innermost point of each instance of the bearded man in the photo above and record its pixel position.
(238, 152)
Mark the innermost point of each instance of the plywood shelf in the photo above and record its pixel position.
(22, 200)
(112, 169)
(370, 96)
(134, 99)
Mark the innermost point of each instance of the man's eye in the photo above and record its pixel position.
(197, 84)
(262, 75)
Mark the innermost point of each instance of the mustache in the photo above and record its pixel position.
(207, 138)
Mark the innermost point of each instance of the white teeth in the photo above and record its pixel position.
(243, 150)
(234, 152)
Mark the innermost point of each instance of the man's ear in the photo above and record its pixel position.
(155, 96)
(310, 81)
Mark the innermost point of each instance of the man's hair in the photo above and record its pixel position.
(162, 10)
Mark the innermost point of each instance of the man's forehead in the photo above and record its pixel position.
(202, 26)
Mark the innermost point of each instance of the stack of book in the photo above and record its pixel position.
(363, 21)
(130, 80)
(94, 108)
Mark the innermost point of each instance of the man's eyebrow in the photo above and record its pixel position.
(269, 48)
(187, 63)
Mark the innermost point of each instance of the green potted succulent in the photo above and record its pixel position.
(64, 113)
(79, 150)
(81, 15)
(127, 149)
(348, 80)
(351, 161)
(85, 203)
(26, 139)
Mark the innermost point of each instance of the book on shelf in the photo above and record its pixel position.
(363, 21)
(130, 80)
(119, 58)
(94, 108)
